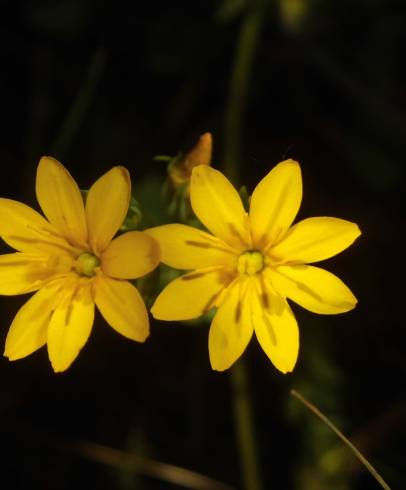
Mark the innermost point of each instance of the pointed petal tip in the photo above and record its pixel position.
(56, 367)
(9, 354)
(13, 356)
(48, 159)
(286, 371)
(218, 367)
(353, 227)
(48, 163)
(286, 368)
(294, 165)
(290, 161)
(349, 306)
(140, 338)
(143, 338)
(123, 171)
(155, 314)
(59, 369)
(159, 314)
(60, 366)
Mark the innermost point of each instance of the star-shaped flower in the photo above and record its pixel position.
(251, 263)
(74, 262)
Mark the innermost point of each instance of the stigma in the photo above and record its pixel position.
(250, 262)
(86, 264)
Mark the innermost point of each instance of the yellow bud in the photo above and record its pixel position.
(200, 154)
(180, 169)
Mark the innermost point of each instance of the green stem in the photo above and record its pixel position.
(81, 103)
(237, 100)
(244, 426)
(238, 90)
(346, 441)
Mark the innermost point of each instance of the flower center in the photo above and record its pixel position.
(86, 264)
(250, 262)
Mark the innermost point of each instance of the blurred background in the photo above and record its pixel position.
(96, 84)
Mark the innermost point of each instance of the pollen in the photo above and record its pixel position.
(86, 264)
(250, 262)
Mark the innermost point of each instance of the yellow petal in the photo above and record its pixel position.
(60, 200)
(276, 330)
(122, 307)
(191, 295)
(275, 203)
(315, 289)
(23, 273)
(27, 231)
(70, 325)
(185, 247)
(130, 255)
(231, 328)
(28, 332)
(106, 207)
(315, 239)
(218, 206)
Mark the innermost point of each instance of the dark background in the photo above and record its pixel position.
(96, 84)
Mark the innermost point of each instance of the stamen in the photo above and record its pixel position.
(250, 262)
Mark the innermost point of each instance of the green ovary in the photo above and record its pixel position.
(86, 264)
(250, 262)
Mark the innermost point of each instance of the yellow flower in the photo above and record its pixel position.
(251, 264)
(74, 262)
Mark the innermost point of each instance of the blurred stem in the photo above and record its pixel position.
(81, 103)
(238, 89)
(244, 427)
(346, 441)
